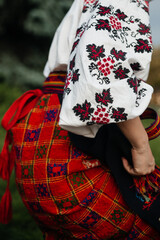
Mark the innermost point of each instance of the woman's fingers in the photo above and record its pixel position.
(127, 166)
(136, 172)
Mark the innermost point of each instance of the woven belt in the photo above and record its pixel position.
(153, 130)
(54, 83)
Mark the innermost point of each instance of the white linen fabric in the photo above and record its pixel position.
(107, 46)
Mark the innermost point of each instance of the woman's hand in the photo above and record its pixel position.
(142, 158)
(143, 161)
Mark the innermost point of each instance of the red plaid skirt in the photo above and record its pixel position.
(69, 194)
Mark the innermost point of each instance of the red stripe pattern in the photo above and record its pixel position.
(153, 130)
(54, 83)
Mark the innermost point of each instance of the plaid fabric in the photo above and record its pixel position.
(69, 194)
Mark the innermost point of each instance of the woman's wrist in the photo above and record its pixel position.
(135, 132)
(141, 143)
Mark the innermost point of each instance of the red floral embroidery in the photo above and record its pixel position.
(103, 25)
(105, 66)
(104, 98)
(121, 73)
(104, 62)
(115, 23)
(121, 15)
(118, 54)
(118, 114)
(143, 29)
(100, 116)
(143, 46)
(75, 76)
(95, 53)
(133, 84)
(135, 66)
(83, 111)
(104, 10)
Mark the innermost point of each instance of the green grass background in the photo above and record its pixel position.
(22, 226)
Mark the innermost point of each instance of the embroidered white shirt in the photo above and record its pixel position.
(107, 47)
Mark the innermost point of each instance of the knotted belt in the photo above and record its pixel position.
(18, 110)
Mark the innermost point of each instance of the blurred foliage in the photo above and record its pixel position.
(26, 31)
(154, 76)
(35, 17)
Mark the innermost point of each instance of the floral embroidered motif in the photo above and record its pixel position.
(121, 15)
(121, 73)
(133, 84)
(143, 29)
(84, 110)
(95, 53)
(119, 114)
(108, 63)
(100, 115)
(104, 98)
(105, 65)
(113, 22)
(103, 25)
(101, 68)
(73, 75)
(135, 66)
(142, 46)
(119, 55)
(104, 10)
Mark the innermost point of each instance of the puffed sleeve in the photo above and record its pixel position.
(109, 65)
(63, 39)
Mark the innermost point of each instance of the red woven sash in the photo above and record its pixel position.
(153, 130)
(21, 107)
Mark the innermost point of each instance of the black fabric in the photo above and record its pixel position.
(109, 146)
(60, 96)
